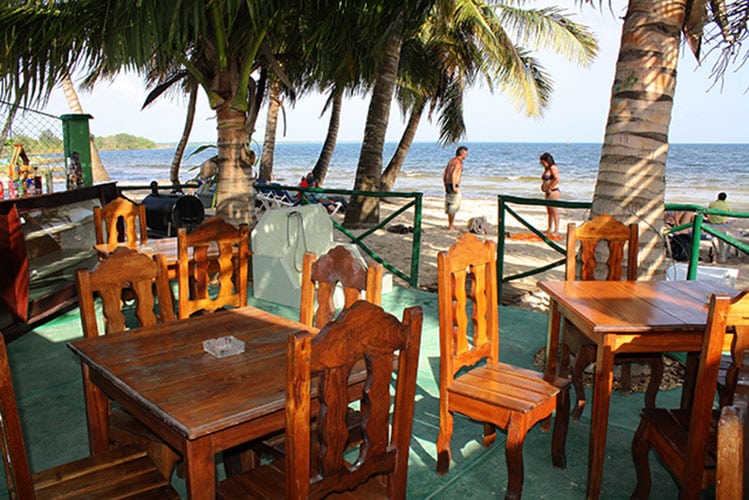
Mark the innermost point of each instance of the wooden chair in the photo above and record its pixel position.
(229, 266)
(498, 394)
(121, 472)
(732, 478)
(338, 265)
(126, 269)
(320, 278)
(315, 466)
(685, 439)
(119, 216)
(615, 235)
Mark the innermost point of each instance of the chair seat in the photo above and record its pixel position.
(499, 384)
(120, 473)
(673, 429)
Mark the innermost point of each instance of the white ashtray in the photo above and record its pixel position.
(222, 347)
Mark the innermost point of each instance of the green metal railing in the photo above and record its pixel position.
(411, 277)
(503, 209)
(697, 226)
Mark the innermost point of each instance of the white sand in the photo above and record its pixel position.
(519, 255)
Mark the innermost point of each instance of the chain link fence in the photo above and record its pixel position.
(39, 133)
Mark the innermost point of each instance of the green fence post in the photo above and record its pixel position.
(416, 245)
(500, 245)
(76, 137)
(696, 236)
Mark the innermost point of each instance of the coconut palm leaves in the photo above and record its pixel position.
(478, 41)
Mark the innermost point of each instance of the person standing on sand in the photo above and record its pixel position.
(550, 188)
(451, 179)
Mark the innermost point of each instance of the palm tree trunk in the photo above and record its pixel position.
(98, 172)
(364, 211)
(13, 109)
(235, 199)
(396, 162)
(320, 171)
(180, 151)
(269, 142)
(631, 177)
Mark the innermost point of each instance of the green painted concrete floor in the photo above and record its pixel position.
(47, 379)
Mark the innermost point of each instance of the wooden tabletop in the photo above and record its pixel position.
(165, 368)
(636, 306)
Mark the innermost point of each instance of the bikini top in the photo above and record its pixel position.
(547, 176)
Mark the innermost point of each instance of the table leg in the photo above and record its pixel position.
(201, 470)
(600, 417)
(552, 352)
(97, 415)
(552, 342)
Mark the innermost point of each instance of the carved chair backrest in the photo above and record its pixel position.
(363, 333)
(214, 249)
(338, 265)
(15, 463)
(136, 274)
(616, 235)
(724, 314)
(121, 220)
(467, 292)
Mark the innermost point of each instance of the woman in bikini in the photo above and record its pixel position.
(550, 188)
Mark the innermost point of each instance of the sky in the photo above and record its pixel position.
(702, 112)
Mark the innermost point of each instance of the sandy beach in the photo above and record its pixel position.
(520, 255)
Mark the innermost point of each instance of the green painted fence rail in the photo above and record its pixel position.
(503, 210)
(412, 277)
(700, 225)
(697, 226)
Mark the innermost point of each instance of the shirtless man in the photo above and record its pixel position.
(451, 179)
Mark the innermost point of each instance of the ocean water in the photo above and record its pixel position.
(695, 173)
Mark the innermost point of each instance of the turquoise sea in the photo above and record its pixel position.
(695, 173)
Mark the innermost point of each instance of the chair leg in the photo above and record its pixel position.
(516, 432)
(585, 356)
(490, 432)
(625, 382)
(561, 424)
(443, 442)
(239, 459)
(640, 451)
(656, 375)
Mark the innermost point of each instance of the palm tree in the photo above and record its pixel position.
(222, 44)
(458, 41)
(335, 102)
(631, 176)
(448, 57)
(275, 104)
(98, 172)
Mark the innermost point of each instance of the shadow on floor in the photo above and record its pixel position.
(48, 385)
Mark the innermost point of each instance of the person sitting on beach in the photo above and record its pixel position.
(719, 204)
(307, 181)
(719, 246)
(332, 204)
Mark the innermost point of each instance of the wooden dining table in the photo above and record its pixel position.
(625, 316)
(197, 403)
(164, 246)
